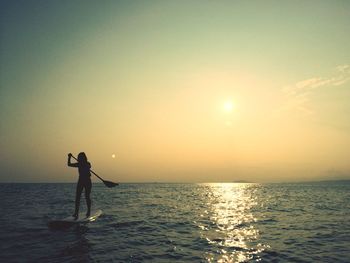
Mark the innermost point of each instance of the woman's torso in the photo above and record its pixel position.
(84, 172)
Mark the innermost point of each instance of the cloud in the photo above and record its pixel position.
(298, 94)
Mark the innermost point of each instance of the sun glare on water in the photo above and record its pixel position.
(230, 208)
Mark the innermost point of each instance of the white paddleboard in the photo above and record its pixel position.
(70, 220)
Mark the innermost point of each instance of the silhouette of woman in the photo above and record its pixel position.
(84, 182)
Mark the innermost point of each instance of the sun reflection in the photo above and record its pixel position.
(232, 228)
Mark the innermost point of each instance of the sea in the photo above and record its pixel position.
(159, 222)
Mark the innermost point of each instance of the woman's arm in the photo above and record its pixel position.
(69, 163)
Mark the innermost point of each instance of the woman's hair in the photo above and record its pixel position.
(82, 158)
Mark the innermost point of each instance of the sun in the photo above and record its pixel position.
(113, 155)
(228, 106)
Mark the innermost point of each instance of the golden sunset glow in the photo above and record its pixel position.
(183, 92)
(228, 106)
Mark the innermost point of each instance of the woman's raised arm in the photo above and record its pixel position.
(69, 163)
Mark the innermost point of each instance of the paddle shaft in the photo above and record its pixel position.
(90, 170)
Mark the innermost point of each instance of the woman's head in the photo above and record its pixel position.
(82, 158)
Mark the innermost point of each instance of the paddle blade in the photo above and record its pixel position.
(110, 184)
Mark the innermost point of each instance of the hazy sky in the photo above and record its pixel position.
(179, 91)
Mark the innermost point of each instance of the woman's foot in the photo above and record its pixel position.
(75, 215)
(88, 214)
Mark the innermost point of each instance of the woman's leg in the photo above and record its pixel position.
(87, 197)
(77, 199)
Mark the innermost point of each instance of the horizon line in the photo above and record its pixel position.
(170, 182)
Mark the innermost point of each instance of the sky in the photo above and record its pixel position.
(175, 91)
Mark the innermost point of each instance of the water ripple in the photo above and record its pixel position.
(180, 223)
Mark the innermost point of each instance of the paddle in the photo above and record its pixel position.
(107, 183)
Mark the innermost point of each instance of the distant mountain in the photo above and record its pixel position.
(335, 181)
(329, 181)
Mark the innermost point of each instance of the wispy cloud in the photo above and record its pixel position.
(299, 93)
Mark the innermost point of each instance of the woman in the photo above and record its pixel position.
(83, 182)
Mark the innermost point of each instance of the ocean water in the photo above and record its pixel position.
(307, 222)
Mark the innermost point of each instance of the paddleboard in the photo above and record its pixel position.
(70, 220)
